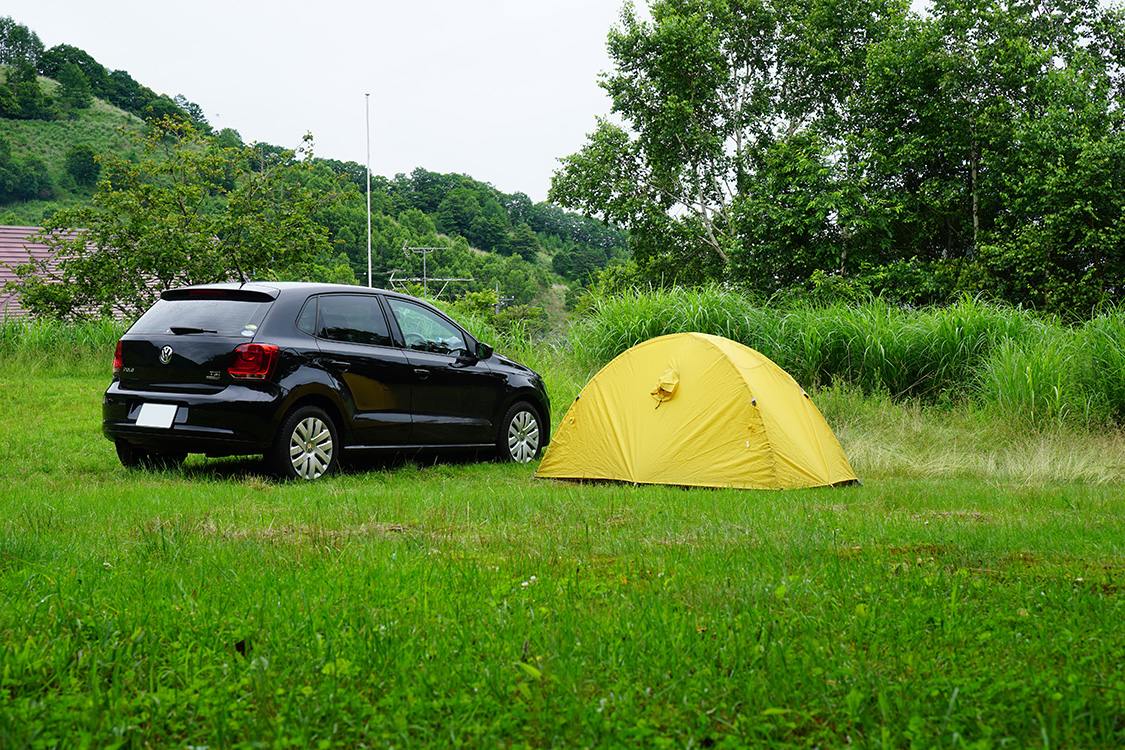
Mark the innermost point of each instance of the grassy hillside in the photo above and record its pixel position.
(103, 127)
(100, 126)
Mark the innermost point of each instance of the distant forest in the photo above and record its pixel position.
(51, 138)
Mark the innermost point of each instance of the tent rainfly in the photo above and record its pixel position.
(696, 410)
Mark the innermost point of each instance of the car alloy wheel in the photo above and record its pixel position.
(307, 445)
(521, 438)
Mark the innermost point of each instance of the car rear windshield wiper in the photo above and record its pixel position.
(181, 330)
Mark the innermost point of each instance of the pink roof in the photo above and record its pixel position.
(15, 249)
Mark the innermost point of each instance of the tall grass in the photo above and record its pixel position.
(49, 342)
(1102, 343)
(1039, 380)
(1032, 369)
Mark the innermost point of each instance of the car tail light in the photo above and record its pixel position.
(117, 365)
(253, 362)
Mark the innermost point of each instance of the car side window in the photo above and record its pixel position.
(356, 318)
(306, 321)
(426, 331)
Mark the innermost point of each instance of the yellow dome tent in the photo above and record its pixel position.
(696, 410)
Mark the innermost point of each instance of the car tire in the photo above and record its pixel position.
(307, 445)
(520, 436)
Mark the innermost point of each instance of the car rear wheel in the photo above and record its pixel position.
(520, 434)
(306, 446)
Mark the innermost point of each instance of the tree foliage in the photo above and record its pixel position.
(21, 46)
(168, 220)
(21, 96)
(75, 89)
(82, 165)
(474, 220)
(22, 179)
(17, 43)
(771, 142)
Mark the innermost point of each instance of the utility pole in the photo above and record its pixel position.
(368, 106)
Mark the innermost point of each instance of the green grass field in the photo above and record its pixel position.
(968, 595)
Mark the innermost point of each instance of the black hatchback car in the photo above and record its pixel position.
(304, 373)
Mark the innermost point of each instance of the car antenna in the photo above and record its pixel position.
(241, 274)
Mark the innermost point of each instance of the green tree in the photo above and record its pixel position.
(785, 216)
(123, 91)
(75, 89)
(193, 112)
(166, 220)
(18, 43)
(456, 212)
(779, 142)
(707, 90)
(82, 164)
(31, 103)
(522, 242)
(993, 130)
(22, 179)
(55, 60)
(426, 190)
(487, 232)
(161, 108)
(9, 109)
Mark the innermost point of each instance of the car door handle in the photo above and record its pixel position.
(341, 364)
(422, 372)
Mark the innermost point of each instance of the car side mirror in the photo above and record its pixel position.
(484, 351)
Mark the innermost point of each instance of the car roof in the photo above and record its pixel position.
(305, 287)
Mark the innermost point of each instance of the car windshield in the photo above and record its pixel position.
(225, 317)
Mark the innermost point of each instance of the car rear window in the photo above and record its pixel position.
(225, 317)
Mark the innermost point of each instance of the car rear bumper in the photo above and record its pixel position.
(238, 420)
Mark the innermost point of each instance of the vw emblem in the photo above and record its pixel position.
(165, 355)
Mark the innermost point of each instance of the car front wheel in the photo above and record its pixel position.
(520, 438)
(306, 446)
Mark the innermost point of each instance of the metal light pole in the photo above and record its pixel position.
(368, 105)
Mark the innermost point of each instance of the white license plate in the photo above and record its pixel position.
(156, 415)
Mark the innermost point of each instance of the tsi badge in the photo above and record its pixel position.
(165, 355)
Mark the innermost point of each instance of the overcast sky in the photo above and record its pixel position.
(496, 89)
